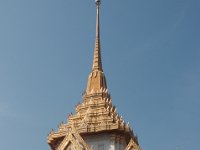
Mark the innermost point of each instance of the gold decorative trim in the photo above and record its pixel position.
(132, 146)
(76, 140)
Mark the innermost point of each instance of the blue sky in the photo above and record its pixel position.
(151, 58)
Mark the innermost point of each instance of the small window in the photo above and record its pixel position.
(101, 147)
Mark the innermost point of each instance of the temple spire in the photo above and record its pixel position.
(97, 64)
(96, 79)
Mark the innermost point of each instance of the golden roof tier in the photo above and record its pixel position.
(95, 115)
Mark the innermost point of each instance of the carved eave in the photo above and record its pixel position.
(55, 138)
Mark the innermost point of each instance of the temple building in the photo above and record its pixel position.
(96, 124)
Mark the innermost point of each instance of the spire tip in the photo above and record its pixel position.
(98, 2)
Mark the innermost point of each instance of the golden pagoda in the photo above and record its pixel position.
(96, 124)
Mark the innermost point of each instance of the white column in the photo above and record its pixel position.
(112, 142)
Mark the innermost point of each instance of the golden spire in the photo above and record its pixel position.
(95, 115)
(96, 79)
(97, 65)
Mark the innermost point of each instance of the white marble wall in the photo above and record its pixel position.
(105, 142)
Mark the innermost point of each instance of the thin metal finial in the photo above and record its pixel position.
(98, 2)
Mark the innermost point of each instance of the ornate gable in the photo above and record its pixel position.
(72, 141)
(132, 145)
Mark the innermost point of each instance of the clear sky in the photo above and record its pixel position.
(151, 58)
